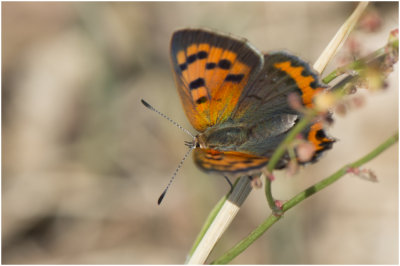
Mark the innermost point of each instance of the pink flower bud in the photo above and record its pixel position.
(305, 151)
(256, 182)
(294, 101)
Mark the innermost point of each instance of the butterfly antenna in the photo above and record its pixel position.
(166, 117)
(173, 176)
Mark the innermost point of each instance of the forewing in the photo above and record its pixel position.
(211, 72)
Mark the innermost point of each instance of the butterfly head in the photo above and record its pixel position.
(199, 141)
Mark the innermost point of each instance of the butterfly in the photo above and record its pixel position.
(237, 98)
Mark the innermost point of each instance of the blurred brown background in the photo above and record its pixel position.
(84, 162)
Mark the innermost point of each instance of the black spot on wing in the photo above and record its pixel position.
(211, 65)
(196, 84)
(314, 84)
(224, 64)
(202, 55)
(201, 100)
(305, 73)
(191, 58)
(320, 134)
(183, 67)
(236, 78)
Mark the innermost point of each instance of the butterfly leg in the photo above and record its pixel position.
(229, 182)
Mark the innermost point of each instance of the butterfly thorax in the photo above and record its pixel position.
(223, 137)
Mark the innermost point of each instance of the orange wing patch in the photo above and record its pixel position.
(191, 84)
(228, 162)
(227, 96)
(303, 82)
(192, 63)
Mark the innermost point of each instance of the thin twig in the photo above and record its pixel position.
(221, 221)
(339, 38)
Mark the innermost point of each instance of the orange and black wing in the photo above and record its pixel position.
(211, 71)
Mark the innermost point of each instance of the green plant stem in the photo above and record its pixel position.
(302, 124)
(272, 219)
(268, 194)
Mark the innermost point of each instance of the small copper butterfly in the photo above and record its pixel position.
(237, 98)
